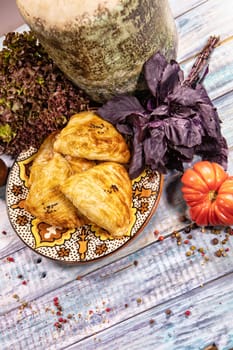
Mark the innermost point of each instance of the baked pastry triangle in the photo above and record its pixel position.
(44, 200)
(103, 195)
(88, 136)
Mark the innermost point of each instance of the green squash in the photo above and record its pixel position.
(101, 45)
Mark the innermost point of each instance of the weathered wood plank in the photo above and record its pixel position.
(194, 27)
(218, 80)
(106, 297)
(184, 6)
(210, 322)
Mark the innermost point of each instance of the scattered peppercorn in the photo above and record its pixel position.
(214, 241)
(24, 283)
(168, 312)
(187, 313)
(161, 238)
(152, 321)
(15, 296)
(135, 263)
(218, 253)
(4, 232)
(10, 259)
(57, 325)
(182, 218)
(187, 229)
(201, 250)
(174, 234)
(108, 309)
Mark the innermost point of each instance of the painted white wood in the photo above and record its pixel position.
(213, 17)
(149, 278)
(184, 6)
(210, 322)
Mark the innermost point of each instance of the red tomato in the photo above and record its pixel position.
(208, 191)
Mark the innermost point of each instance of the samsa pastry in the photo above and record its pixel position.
(44, 200)
(102, 194)
(79, 164)
(44, 154)
(88, 136)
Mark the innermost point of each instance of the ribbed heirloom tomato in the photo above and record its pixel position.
(208, 191)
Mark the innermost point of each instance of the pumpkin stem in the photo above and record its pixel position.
(213, 195)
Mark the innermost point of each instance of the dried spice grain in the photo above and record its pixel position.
(187, 313)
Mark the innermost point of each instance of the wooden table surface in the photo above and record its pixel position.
(150, 294)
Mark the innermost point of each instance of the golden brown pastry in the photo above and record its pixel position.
(88, 136)
(45, 200)
(79, 164)
(102, 194)
(44, 154)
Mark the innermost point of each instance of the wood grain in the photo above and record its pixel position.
(156, 330)
(155, 276)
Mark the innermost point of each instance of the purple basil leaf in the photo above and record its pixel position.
(209, 117)
(170, 80)
(155, 147)
(184, 96)
(137, 162)
(185, 154)
(214, 150)
(204, 98)
(179, 111)
(161, 110)
(119, 107)
(153, 70)
(124, 129)
(185, 132)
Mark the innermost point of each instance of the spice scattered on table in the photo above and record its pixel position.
(185, 237)
(168, 312)
(10, 259)
(187, 313)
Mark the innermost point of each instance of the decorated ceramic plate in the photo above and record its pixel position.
(88, 242)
